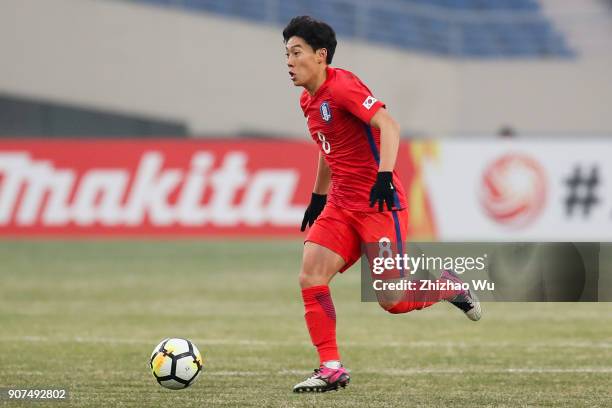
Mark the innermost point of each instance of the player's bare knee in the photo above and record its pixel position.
(312, 272)
(304, 279)
(319, 265)
(309, 280)
(312, 275)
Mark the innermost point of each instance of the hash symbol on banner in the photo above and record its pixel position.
(581, 190)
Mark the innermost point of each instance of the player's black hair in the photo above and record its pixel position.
(316, 33)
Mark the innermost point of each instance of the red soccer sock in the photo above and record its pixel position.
(320, 318)
(419, 299)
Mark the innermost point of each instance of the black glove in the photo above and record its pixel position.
(383, 190)
(317, 203)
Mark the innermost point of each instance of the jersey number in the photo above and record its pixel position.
(324, 143)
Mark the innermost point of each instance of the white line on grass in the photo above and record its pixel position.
(372, 344)
(404, 372)
(419, 371)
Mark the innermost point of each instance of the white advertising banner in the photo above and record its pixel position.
(515, 190)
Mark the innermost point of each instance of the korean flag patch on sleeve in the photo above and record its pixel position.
(369, 102)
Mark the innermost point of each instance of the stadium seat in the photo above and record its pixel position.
(461, 28)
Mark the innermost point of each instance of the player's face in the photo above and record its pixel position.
(303, 62)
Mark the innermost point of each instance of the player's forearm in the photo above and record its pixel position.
(389, 145)
(389, 139)
(323, 179)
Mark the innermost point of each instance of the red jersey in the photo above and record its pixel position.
(338, 117)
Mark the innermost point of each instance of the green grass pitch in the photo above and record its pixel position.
(85, 316)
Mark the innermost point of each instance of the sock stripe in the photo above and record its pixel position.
(325, 300)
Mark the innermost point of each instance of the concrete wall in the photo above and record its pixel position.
(226, 76)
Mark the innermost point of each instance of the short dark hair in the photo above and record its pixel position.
(316, 33)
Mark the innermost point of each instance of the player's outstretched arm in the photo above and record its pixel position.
(319, 193)
(382, 191)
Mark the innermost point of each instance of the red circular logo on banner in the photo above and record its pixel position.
(513, 190)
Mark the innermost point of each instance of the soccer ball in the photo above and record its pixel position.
(176, 363)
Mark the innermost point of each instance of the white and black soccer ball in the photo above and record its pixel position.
(176, 363)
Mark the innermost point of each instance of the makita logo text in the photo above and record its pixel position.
(210, 190)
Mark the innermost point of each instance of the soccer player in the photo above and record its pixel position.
(357, 196)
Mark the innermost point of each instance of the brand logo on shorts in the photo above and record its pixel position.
(325, 112)
(369, 102)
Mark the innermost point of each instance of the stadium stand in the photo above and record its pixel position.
(457, 28)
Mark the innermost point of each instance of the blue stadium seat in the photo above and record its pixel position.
(424, 28)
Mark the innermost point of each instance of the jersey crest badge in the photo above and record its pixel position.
(325, 112)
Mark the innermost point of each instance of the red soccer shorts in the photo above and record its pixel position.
(344, 231)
